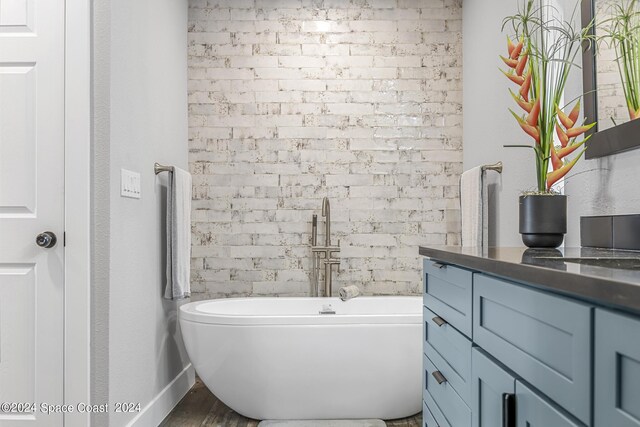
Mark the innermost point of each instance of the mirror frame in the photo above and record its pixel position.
(619, 138)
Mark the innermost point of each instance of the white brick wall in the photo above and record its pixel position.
(294, 100)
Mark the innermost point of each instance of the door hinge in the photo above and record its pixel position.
(64, 238)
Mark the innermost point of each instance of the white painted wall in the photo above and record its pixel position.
(140, 107)
(487, 123)
(488, 126)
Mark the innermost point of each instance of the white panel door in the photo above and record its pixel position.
(31, 201)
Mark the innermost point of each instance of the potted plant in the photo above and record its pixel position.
(621, 31)
(539, 63)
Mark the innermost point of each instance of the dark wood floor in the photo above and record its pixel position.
(200, 408)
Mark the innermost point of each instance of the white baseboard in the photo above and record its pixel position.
(161, 405)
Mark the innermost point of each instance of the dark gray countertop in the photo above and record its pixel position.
(613, 287)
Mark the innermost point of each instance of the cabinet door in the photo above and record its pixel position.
(617, 370)
(533, 411)
(493, 393)
(543, 338)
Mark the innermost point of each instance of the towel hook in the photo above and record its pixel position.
(157, 168)
(495, 167)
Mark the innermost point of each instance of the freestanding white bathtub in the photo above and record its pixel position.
(278, 358)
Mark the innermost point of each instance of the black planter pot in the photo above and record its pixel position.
(543, 220)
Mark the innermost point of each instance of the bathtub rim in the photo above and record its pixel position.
(189, 313)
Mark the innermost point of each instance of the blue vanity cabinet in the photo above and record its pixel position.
(529, 358)
(617, 370)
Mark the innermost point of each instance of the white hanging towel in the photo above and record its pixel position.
(474, 208)
(178, 235)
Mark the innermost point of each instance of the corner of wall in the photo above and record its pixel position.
(100, 208)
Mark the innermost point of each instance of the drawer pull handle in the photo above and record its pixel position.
(439, 265)
(439, 321)
(508, 410)
(439, 377)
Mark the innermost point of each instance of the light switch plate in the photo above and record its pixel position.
(130, 184)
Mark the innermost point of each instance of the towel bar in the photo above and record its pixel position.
(161, 168)
(495, 167)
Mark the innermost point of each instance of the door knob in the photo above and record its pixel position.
(46, 239)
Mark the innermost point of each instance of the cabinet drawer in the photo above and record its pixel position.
(427, 418)
(545, 339)
(447, 292)
(447, 272)
(617, 370)
(450, 351)
(534, 411)
(438, 419)
(456, 413)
